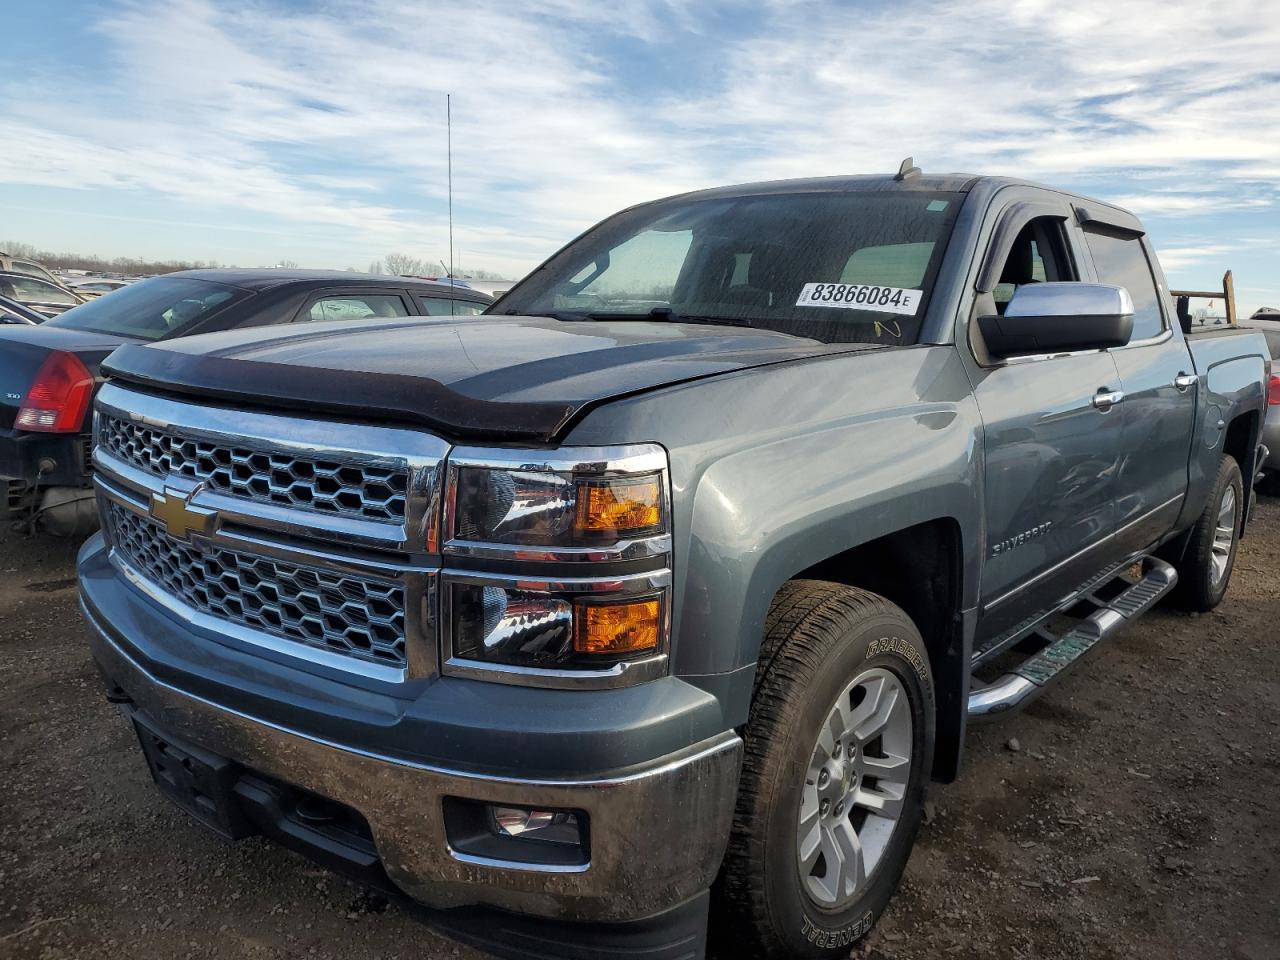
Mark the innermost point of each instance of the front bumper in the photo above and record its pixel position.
(658, 829)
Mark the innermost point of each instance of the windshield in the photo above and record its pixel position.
(854, 266)
(150, 309)
(28, 289)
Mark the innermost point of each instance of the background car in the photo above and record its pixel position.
(49, 373)
(1268, 321)
(31, 268)
(45, 296)
(96, 286)
(11, 311)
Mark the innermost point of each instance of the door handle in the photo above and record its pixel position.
(1106, 399)
(1185, 381)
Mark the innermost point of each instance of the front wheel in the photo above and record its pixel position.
(1205, 571)
(839, 744)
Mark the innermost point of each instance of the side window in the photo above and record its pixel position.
(1122, 261)
(365, 306)
(444, 307)
(1038, 255)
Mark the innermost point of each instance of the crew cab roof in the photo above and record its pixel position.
(1088, 209)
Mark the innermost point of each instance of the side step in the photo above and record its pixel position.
(1023, 684)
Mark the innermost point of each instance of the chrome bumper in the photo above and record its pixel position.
(658, 833)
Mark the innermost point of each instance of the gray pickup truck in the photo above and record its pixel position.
(650, 604)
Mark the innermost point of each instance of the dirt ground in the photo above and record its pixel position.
(1132, 813)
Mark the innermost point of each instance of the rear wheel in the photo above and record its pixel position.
(838, 749)
(1205, 571)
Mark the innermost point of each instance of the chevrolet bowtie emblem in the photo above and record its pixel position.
(180, 519)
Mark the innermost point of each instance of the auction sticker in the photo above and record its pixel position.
(860, 296)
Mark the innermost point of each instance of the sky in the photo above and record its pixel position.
(257, 131)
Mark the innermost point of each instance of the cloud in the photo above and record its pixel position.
(332, 118)
(1175, 259)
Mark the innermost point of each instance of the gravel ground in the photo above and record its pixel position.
(1134, 812)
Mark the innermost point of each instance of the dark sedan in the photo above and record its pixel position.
(11, 311)
(49, 373)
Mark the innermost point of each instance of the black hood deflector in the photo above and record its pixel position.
(389, 397)
(492, 379)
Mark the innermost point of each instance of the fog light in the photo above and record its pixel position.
(617, 628)
(552, 826)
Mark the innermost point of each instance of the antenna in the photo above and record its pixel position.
(448, 120)
(907, 170)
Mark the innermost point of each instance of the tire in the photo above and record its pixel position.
(1205, 570)
(820, 639)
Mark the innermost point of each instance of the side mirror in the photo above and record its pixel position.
(1059, 318)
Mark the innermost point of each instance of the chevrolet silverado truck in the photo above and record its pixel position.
(650, 603)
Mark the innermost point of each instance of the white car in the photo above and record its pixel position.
(96, 286)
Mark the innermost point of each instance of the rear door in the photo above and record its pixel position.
(1051, 449)
(1157, 378)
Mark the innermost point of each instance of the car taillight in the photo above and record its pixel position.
(1273, 392)
(59, 397)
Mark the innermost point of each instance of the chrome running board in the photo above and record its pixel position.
(1023, 684)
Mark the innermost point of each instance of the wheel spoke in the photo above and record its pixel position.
(843, 855)
(889, 768)
(884, 801)
(839, 722)
(874, 690)
(885, 700)
(810, 845)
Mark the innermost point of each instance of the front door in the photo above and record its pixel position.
(1051, 449)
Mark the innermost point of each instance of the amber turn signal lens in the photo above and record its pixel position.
(617, 628)
(619, 505)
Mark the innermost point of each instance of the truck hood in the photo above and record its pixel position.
(493, 378)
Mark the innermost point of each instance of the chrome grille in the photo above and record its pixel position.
(304, 483)
(349, 615)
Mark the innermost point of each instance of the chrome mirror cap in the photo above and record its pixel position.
(1069, 300)
(1049, 318)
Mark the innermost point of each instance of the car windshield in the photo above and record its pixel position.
(28, 289)
(150, 309)
(832, 266)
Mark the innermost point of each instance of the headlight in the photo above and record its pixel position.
(558, 565)
(538, 508)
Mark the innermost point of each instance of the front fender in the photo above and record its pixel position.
(777, 468)
(762, 516)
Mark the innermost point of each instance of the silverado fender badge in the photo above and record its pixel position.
(180, 519)
(1004, 546)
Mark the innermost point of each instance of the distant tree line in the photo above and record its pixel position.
(128, 266)
(394, 264)
(407, 265)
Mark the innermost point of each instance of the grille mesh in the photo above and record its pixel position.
(323, 486)
(347, 615)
